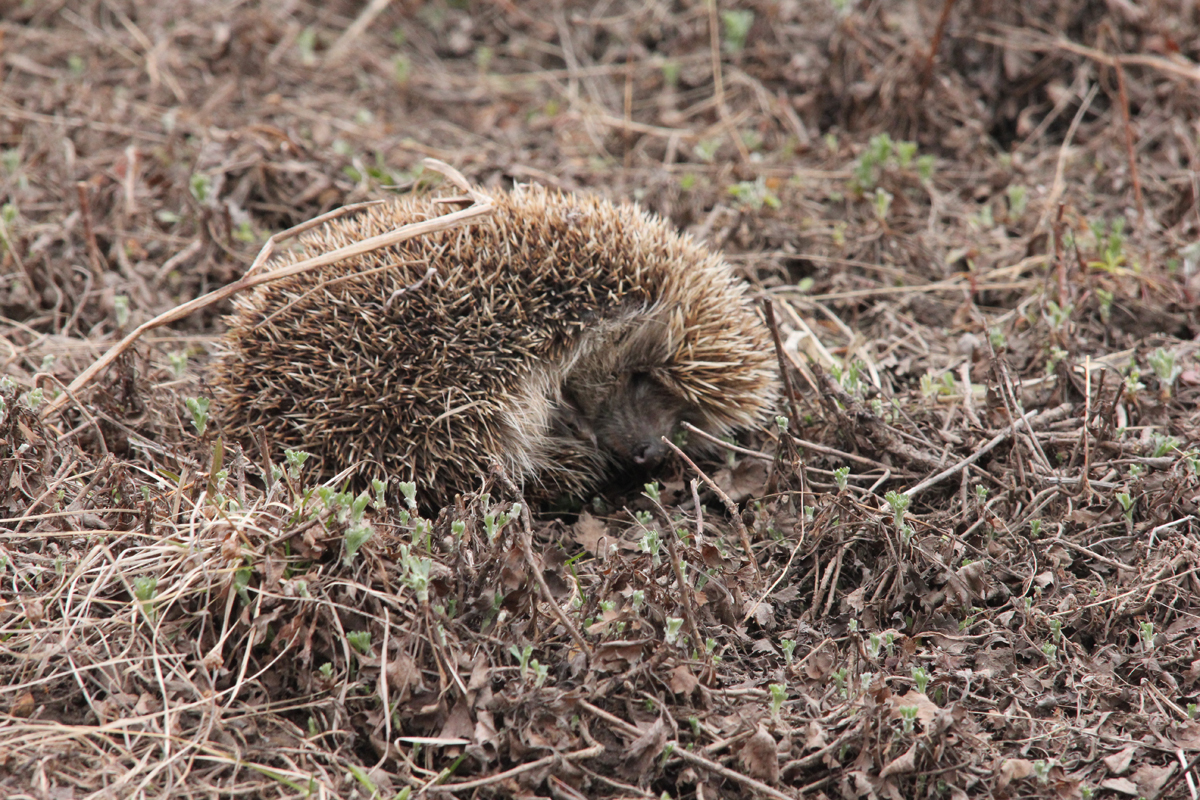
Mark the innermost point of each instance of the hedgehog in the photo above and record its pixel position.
(562, 336)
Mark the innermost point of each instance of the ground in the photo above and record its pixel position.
(964, 562)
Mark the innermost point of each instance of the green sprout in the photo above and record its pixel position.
(1147, 629)
(883, 202)
(355, 538)
(1106, 301)
(920, 678)
(674, 625)
(295, 460)
(198, 406)
(1162, 445)
(1035, 528)
(200, 186)
(1018, 197)
(651, 543)
(144, 589)
(652, 491)
(841, 476)
(360, 641)
(1041, 769)
(1164, 364)
(735, 28)
(908, 716)
(179, 362)
(778, 695)
(1127, 504)
(899, 504)
(1050, 652)
(789, 649)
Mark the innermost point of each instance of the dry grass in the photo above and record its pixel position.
(176, 622)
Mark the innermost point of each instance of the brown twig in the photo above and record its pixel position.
(483, 205)
(934, 45)
(730, 506)
(788, 390)
(1123, 96)
(89, 230)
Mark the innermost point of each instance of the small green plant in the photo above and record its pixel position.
(1162, 445)
(1111, 242)
(674, 626)
(908, 717)
(839, 676)
(841, 476)
(1147, 629)
(1106, 301)
(1164, 364)
(778, 695)
(179, 362)
(1035, 528)
(360, 641)
(753, 195)
(1056, 630)
(33, 398)
(1057, 315)
(735, 27)
(932, 386)
(355, 538)
(789, 649)
(874, 646)
(921, 678)
(638, 599)
(493, 522)
(306, 43)
(899, 504)
(651, 542)
(144, 589)
(1193, 711)
(1127, 504)
(1018, 197)
(997, 338)
(198, 406)
(782, 422)
(200, 186)
(326, 670)
(883, 202)
(522, 654)
(295, 460)
(1050, 652)
(1041, 769)
(652, 491)
(981, 493)
(1132, 384)
(121, 310)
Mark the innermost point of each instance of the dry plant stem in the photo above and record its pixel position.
(499, 777)
(1123, 96)
(876, 429)
(934, 45)
(733, 448)
(788, 389)
(1004, 435)
(726, 772)
(355, 30)
(786, 567)
(89, 230)
(536, 569)
(1056, 189)
(714, 33)
(685, 594)
(730, 506)
(483, 206)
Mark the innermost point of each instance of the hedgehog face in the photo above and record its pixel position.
(625, 418)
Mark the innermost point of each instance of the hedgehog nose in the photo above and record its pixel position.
(649, 453)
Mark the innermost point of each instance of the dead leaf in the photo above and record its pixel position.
(902, 764)
(1122, 785)
(1150, 778)
(1013, 769)
(646, 747)
(1118, 763)
(760, 756)
(682, 680)
(23, 706)
(591, 534)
